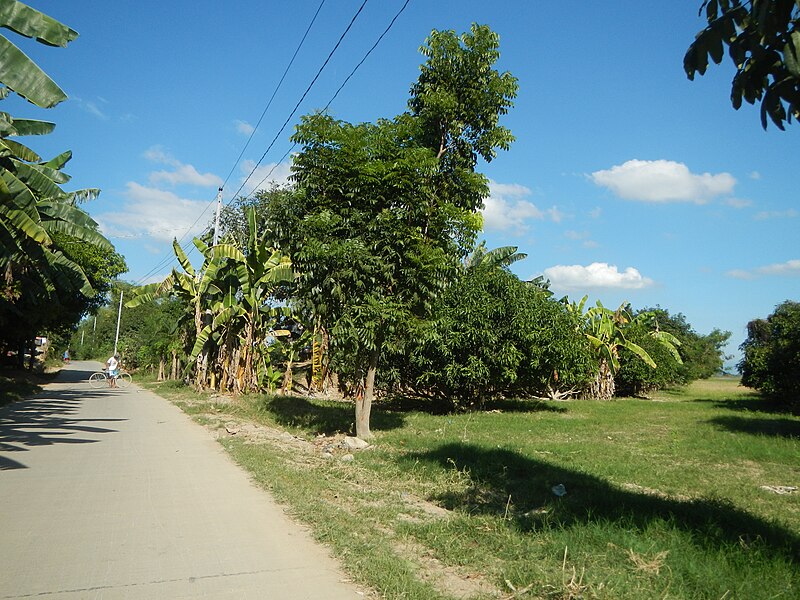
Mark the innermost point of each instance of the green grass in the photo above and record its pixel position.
(664, 496)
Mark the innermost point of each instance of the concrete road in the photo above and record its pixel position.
(117, 494)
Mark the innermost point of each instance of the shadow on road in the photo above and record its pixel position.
(51, 417)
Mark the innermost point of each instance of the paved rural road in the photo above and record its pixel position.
(117, 494)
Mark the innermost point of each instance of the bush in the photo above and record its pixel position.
(493, 336)
(771, 362)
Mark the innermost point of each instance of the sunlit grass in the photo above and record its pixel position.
(664, 497)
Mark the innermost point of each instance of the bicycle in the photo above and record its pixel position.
(100, 379)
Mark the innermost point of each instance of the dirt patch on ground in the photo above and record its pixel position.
(450, 581)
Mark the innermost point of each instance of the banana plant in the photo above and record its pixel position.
(605, 329)
(32, 204)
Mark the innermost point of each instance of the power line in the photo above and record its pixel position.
(353, 72)
(168, 259)
(303, 97)
(294, 110)
(278, 87)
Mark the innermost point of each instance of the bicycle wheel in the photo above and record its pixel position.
(98, 380)
(124, 380)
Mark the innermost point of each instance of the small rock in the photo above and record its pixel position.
(327, 455)
(232, 429)
(354, 443)
(348, 458)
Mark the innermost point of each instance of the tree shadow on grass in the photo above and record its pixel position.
(786, 428)
(400, 403)
(501, 478)
(325, 417)
(753, 402)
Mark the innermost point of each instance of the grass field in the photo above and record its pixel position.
(664, 497)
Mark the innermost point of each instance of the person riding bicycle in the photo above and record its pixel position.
(112, 364)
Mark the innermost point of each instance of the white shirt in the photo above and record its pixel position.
(113, 364)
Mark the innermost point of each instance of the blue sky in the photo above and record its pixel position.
(626, 181)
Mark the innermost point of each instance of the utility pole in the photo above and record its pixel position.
(216, 221)
(119, 317)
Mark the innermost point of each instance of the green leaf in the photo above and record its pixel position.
(32, 127)
(22, 75)
(791, 53)
(640, 352)
(31, 23)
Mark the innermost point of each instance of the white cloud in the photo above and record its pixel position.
(595, 276)
(775, 214)
(581, 236)
(159, 214)
(91, 107)
(244, 127)
(755, 175)
(264, 176)
(738, 202)
(159, 155)
(662, 181)
(182, 173)
(185, 174)
(506, 210)
(790, 268)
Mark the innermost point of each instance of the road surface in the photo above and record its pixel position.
(117, 494)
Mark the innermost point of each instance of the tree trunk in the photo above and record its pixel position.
(603, 387)
(287, 378)
(161, 365)
(364, 401)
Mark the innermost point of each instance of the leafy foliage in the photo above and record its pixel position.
(701, 356)
(494, 336)
(771, 362)
(384, 212)
(763, 40)
(231, 312)
(611, 332)
(44, 277)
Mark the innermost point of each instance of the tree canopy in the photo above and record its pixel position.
(763, 40)
(771, 361)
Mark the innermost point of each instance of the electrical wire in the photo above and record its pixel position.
(303, 97)
(168, 259)
(294, 110)
(275, 91)
(344, 83)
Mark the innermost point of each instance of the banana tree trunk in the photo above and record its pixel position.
(603, 386)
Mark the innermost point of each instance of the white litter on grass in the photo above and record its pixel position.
(780, 489)
(559, 490)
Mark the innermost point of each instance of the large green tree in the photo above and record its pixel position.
(610, 332)
(384, 212)
(771, 361)
(702, 355)
(763, 41)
